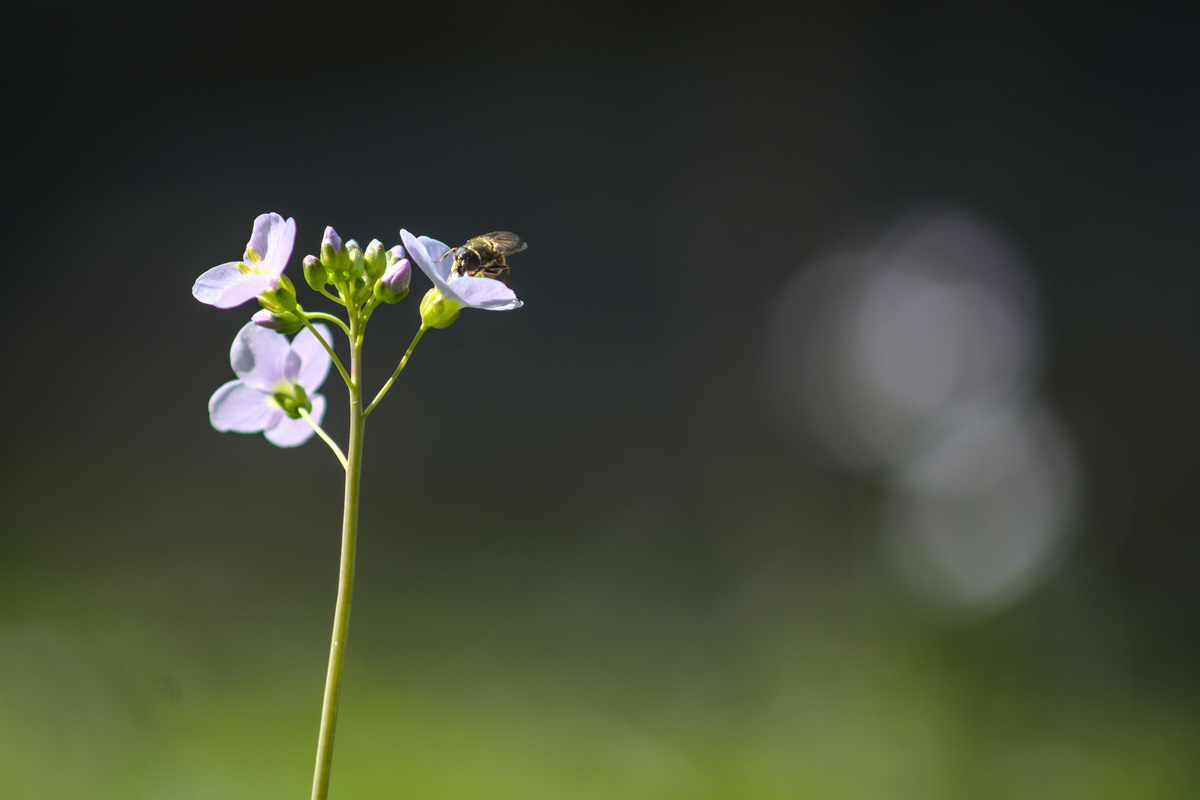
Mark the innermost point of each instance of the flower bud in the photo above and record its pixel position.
(280, 322)
(331, 250)
(315, 273)
(437, 310)
(375, 259)
(393, 286)
(355, 268)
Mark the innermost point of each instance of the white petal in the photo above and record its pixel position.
(260, 236)
(237, 407)
(280, 240)
(430, 255)
(292, 432)
(225, 286)
(437, 252)
(257, 356)
(291, 366)
(314, 360)
(485, 293)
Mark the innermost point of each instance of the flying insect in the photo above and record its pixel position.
(483, 256)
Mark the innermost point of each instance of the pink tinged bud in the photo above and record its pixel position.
(332, 239)
(398, 275)
(331, 250)
(285, 322)
(393, 286)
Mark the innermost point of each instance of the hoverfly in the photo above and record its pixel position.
(483, 256)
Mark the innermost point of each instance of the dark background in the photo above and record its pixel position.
(589, 567)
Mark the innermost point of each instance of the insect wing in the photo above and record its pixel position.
(505, 243)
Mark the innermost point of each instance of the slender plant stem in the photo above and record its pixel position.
(329, 349)
(337, 451)
(341, 616)
(328, 318)
(396, 374)
(331, 296)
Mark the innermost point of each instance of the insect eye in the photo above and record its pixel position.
(469, 260)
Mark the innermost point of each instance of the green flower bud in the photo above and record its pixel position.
(315, 273)
(355, 268)
(280, 322)
(375, 259)
(437, 311)
(384, 293)
(331, 251)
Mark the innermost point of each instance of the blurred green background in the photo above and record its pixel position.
(692, 524)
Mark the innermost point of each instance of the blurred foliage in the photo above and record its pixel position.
(589, 686)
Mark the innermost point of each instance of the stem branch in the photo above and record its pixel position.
(337, 451)
(329, 318)
(396, 374)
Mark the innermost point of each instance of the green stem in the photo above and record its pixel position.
(396, 374)
(369, 308)
(337, 451)
(329, 349)
(332, 297)
(329, 318)
(341, 616)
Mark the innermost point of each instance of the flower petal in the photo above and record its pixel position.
(280, 240)
(430, 255)
(237, 407)
(291, 366)
(292, 432)
(486, 293)
(257, 356)
(314, 360)
(226, 286)
(265, 226)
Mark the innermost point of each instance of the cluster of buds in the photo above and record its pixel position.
(357, 273)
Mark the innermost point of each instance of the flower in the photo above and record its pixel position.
(275, 380)
(267, 254)
(454, 291)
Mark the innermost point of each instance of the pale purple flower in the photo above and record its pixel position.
(267, 254)
(463, 291)
(269, 369)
